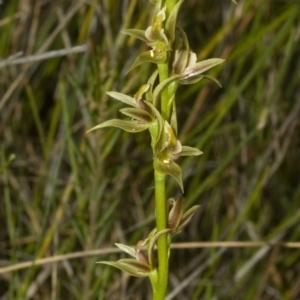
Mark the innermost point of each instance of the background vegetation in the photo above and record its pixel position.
(66, 191)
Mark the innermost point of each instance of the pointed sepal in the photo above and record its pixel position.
(131, 266)
(129, 126)
(208, 77)
(142, 90)
(127, 249)
(138, 114)
(186, 218)
(157, 91)
(151, 81)
(123, 98)
(172, 20)
(189, 151)
(169, 168)
(173, 121)
(136, 33)
(151, 56)
(182, 55)
(153, 237)
(157, 124)
(175, 213)
(197, 69)
(177, 220)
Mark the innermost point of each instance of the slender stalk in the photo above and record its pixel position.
(162, 243)
(162, 125)
(161, 204)
(163, 71)
(160, 190)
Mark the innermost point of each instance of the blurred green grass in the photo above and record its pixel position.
(67, 191)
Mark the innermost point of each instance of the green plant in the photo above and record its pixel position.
(66, 197)
(153, 108)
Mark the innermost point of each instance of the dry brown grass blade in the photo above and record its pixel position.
(19, 81)
(38, 57)
(195, 245)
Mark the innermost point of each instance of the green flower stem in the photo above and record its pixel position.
(162, 243)
(163, 72)
(160, 289)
